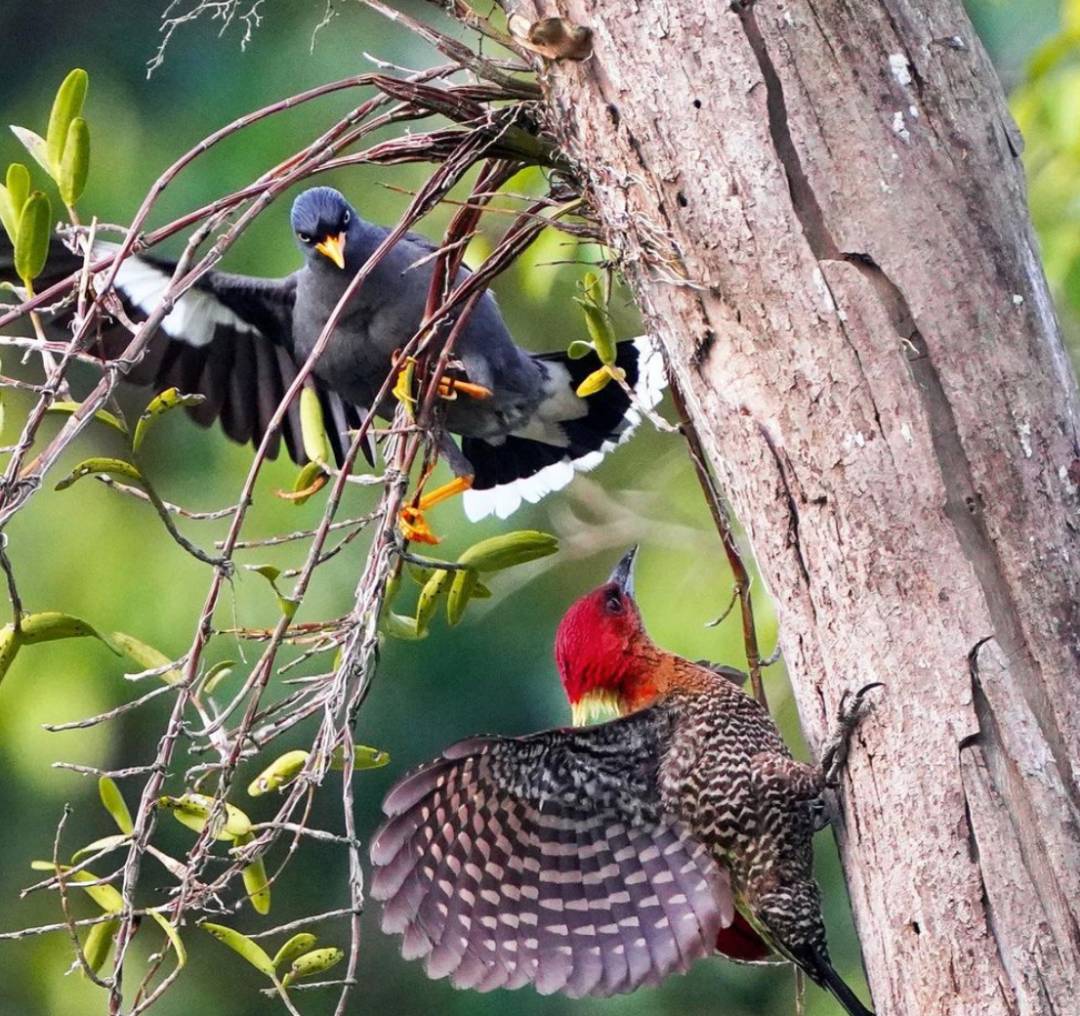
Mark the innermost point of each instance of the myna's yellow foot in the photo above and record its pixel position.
(411, 519)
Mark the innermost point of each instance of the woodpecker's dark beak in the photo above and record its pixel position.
(623, 575)
(333, 247)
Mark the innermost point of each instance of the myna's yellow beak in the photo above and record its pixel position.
(333, 247)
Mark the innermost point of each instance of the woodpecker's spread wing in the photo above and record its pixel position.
(547, 860)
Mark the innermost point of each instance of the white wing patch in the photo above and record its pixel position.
(195, 317)
(503, 500)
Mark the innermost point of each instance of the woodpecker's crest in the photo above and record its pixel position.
(596, 648)
(321, 218)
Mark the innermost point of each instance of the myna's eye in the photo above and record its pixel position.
(303, 237)
(346, 217)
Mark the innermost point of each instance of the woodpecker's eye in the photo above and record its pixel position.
(346, 217)
(303, 237)
(613, 602)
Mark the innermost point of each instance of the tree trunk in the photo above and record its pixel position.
(821, 209)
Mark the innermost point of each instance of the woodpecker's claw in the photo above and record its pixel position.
(835, 752)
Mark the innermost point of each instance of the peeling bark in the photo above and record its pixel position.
(821, 209)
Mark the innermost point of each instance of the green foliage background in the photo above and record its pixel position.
(92, 553)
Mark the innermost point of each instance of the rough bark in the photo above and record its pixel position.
(821, 208)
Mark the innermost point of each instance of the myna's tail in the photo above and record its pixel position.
(567, 433)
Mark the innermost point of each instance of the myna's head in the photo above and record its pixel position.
(321, 219)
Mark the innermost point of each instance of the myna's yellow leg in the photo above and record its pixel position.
(411, 518)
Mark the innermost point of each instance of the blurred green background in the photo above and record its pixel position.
(96, 554)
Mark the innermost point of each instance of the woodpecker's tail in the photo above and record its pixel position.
(566, 434)
(820, 970)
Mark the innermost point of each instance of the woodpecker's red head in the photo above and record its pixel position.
(601, 649)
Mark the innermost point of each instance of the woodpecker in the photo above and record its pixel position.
(595, 860)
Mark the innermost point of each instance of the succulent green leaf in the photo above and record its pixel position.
(98, 943)
(299, 944)
(193, 810)
(102, 415)
(246, 947)
(13, 196)
(115, 805)
(397, 626)
(597, 319)
(159, 404)
(67, 105)
(173, 936)
(460, 591)
(281, 772)
(9, 647)
(509, 549)
(428, 602)
(216, 674)
(75, 163)
(51, 625)
(32, 237)
(147, 657)
(34, 144)
(363, 758)
(597, 381)
(310, 963)
(579, 349)
(256, 881)
(105, 896)
(313, 427)
(305, 481)
(114, 467)
(105, 843)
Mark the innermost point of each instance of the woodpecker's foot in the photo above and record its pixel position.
(411, 519)
(835, 751)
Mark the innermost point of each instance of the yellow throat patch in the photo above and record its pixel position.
(596, 707)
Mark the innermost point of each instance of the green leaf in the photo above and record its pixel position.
(32, 237)
(579, 349)
(114, 467)
(158, 405)
(105, 843)
(430, 595)
(174, 937)
(98, 944)
(246, 947)
(12, 198)
(460, 591)
(280, 773)
(397, 626)
(597, 381)
(193, 810)
(310, 963)
(300, 943)
(313, 428)
(115, 805)
(363, 758)
(509, 549)
(51, 625)
(67, 105)
(9, 648)
(597, 319)
(147, 657)
(35, 145)
(255, 880)
(102, 415)
(304, 488)
(216, 674)
(105, 896)
(75, 164)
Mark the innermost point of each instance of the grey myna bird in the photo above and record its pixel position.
(238, 341)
